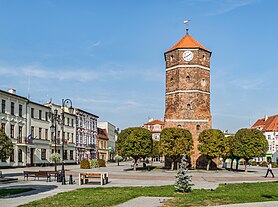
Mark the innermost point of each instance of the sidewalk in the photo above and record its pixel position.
(118, 177)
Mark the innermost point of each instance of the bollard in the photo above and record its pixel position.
(70, 180)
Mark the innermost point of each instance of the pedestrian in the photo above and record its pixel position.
(269, 169)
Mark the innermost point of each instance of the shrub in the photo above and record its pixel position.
(94, 163)
(85, 164)
(264, 164)
(101, 163)
(254, 163)
(274, 164)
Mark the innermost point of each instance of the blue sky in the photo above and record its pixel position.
(108, 56)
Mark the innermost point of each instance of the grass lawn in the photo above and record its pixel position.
(13, 191)
(224, 194)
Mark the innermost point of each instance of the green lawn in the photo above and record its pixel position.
(224, 194)
(13, 191)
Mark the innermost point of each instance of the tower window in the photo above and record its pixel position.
(179, 126)
(188, 107)
(187, 78)
(204, 57)
(171, 78)
(171, 57)
(198, 127)
(203, 82)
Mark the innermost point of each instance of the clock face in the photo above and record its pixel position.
(187, 55)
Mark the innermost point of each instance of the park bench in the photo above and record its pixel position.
(101, 177)
(39, 174)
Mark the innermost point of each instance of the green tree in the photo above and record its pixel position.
(211, 144)
(135, 142)
(155, 151)
(249, 143)
(6, 146)
(174, 142)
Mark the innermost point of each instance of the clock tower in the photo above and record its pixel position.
(187, 102)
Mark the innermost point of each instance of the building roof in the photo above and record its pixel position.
(154, 122)
(187, 42)
(267, 123)
(77, 109)
(12, 94)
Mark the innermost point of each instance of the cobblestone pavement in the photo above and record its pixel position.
(119, 176)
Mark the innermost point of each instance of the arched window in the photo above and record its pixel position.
(179, 126)
(20, 155)
(187, 78)
(171, 57)
(188, 107)
(198, 128)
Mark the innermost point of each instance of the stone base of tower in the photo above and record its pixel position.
(195, 129)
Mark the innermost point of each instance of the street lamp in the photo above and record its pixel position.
(54, 118)
(65, 103)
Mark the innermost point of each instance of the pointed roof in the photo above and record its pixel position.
(267, 123)
(187, 42)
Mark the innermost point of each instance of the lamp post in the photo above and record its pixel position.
(54, 119)
(65, 103)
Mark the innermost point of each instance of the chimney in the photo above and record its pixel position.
(265, 117)
(12, 91)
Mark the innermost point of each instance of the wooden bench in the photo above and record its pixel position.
(28, 174)
(101, 177)
(40, 173)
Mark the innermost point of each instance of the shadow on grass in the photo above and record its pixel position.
(36, 189)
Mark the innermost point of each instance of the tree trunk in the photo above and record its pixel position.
(172, 165)
(209, 161)
(237, 161)
(134, 166)
(118, 162)
(232, 161)
(245, 170)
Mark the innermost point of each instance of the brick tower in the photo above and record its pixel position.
(188, 88)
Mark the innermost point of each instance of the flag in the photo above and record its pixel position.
(185, 21)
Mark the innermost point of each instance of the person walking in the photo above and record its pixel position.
(269, 169)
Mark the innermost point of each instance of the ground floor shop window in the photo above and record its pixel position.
(43, 154)
(20, 155)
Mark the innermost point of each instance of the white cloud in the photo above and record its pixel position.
(248, 84)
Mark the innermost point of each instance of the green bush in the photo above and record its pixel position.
(85, 164)
(254, 163)
(264, 164)
(274, 164)
(101, 163)
(94, 163)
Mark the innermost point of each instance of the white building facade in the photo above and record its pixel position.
(28, 125)
(112, 137)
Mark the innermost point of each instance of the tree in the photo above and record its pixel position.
(183, 180)
(211, 144)
(174, 142)
(249, 143)
(135, 142)
(155, 150)
(6, 146)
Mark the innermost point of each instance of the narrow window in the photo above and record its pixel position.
(188, 107)
(179, 126)
(198, 127)
(12, 131)
(46, 116)
(187, 78)
(43, 154)
(12, 108)
(32, 112)
(20, 155)
(46, 134)
(20, 110)
(40, 114)
(40, 133)
(3, 106)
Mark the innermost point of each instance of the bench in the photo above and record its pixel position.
(28, 174)
(101, 177)
(40, 173)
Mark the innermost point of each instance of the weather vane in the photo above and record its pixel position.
(186, 23)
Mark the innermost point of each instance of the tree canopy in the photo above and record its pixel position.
(211, 144)
(135, 142)
(6, 146)
(174, 142)
(249, 143)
